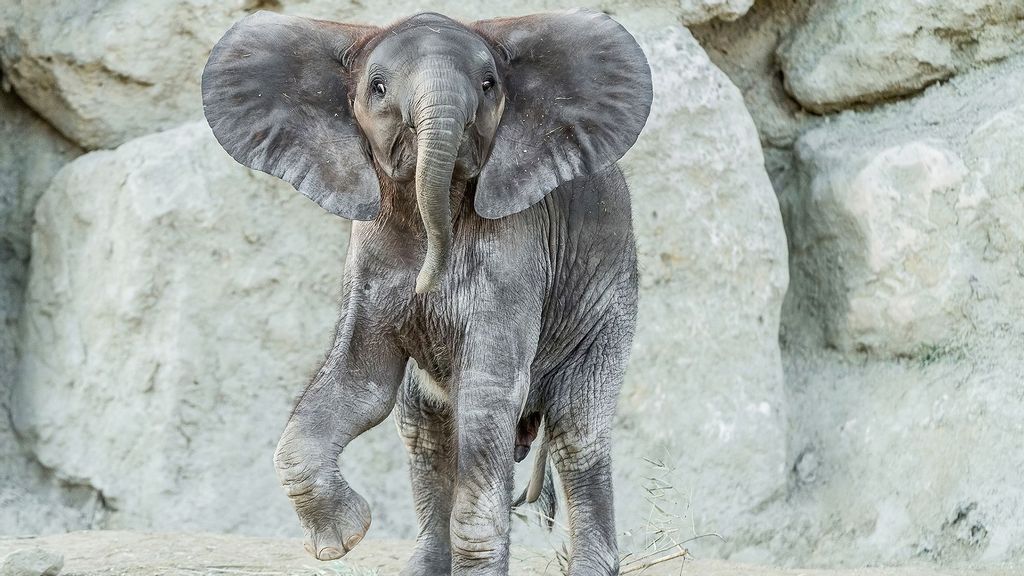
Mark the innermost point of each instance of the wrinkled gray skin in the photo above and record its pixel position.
(490, 289)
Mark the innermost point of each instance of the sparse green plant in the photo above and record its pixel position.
(661, 539)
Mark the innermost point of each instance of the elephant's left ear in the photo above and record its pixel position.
(577, 93)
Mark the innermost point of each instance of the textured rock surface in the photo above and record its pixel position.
(907, 259)
(712, 260)
(700, 11)
(849, 51)
(31, 562)
(903, 460)
(901, 333)
(905, 224)
(30, 153)
(113, 553)
(875, 239)
(105, 72)
(176, 304)
(745, 50)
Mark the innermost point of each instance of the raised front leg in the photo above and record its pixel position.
(353, 391)
(490, 388)
(425, 424)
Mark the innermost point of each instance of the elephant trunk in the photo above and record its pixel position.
(440, 121)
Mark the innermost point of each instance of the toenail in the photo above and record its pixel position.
(329, 553)
(352, 541)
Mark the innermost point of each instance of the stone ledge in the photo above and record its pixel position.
(114, 553)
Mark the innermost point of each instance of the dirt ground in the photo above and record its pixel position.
(111, 553)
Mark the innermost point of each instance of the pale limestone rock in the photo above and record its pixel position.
(873, 229)
(700, 11)
(636, 16)
(105, 72)
(745, 50)
(905, 223)
(904, 330)
(177, 303)
(947, 424)
(713, 274)
(849, 51)
(31, 562)
(30, 154)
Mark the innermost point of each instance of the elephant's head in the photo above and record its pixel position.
(519, 104)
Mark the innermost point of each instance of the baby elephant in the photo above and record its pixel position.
(491, 281)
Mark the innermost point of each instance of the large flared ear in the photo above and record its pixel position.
(276, 93)
(577, 93)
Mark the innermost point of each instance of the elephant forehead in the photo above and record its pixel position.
(430, 38)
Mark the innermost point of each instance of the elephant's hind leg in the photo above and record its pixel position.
(579, 426)
(424, 424)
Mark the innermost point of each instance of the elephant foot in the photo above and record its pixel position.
(429, 560)
(333, 517)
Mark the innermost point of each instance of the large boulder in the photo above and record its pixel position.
(849, 51)
(905, 224)
(904, 330)
(31, 562)
(699, 11)
(875, 242)
(176, 305)
(745, 50)
(30, 154)
(105, 72)
(713, 275)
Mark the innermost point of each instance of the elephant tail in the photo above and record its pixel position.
(540, 491)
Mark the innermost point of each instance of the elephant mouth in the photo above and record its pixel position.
(400, 165)
(469, 161)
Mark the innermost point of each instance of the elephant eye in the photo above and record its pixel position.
(378, 87)
(487, 84)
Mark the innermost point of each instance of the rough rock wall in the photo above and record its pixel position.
(850, 52)
(712, 261)
(176, 304)
(30, 153)
(903, 330)
(906, 229)
(177, 301)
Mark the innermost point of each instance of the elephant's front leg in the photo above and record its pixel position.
(353, 391)
(425, 424)
(490, 389)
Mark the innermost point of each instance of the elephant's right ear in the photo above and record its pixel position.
(276, 93)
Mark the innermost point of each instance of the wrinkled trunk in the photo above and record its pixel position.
(440, 120)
